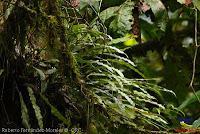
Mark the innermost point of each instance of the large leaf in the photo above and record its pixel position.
(123, 20)
(160, 12)
(122, 14)
(108, 13)
(91, 3)
(156, 5)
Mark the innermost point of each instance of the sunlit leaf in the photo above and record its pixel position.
(130, 42)
(197, 4)
(123, 20)
(181, 1)
(160, 12)
(108, 13)
(156, 5)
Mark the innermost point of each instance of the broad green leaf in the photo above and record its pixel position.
(94, 3)
(35, 107)
(190, 100)
(160, 12)
(24, 112)
(122, 22)
(156, 5)
(108, 13)
(55, 111)
(121, 17)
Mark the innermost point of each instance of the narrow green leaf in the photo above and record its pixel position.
(119, 40)
(1, 71)
(122, 58)
(35, 107)
(55, 112)
(196, 123)
(51, 71)
(53, 61)
(117, 50)
(24, 111)
(127, 98)
(190, 100)
(43, 86)
(41, 73)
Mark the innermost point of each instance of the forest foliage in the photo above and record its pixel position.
(103, 66)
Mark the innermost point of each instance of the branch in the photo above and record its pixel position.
(195, 56)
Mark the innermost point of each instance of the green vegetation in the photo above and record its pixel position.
(100, 66)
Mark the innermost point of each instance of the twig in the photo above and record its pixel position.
(195, 56)
(194, 67)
